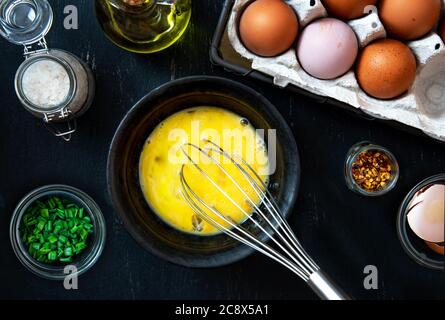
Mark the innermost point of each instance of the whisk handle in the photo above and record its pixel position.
(325, 288)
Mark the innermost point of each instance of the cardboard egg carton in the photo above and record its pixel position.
(423, 107)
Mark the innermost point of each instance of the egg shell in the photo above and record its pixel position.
(440, 249)
(347, 9)
(268, 27)
(327, 48)
(426, 214)
(386, 69)
(409, 19)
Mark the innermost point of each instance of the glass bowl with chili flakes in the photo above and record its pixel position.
(371, 170)
(56, 231)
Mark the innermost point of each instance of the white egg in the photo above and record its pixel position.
(426, 213)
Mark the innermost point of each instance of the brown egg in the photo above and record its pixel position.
(409, 20)
(442, 30)
(268, 27)
(438, 248)
(347, 9)
(386, 69)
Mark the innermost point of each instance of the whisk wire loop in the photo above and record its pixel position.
(268, 200)
(256, 244)
(291, 253)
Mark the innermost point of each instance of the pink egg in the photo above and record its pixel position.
(327, 48)
(426, 213)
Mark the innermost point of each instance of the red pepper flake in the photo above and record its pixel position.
(372, 170)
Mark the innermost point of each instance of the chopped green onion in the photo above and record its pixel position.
(52, 239)
(55, 230)
(44, 213)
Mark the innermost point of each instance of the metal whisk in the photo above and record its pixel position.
(288, 250)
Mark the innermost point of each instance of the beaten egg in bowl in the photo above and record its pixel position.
(166, 152)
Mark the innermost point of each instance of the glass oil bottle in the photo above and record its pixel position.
(143, 26)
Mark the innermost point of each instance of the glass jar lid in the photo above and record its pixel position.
(25, 22)
(45, 84)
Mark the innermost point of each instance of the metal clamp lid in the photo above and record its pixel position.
(65, 134)
(35, 48)
(59, 115)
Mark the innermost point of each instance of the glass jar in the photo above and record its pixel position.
(52, 84)
(96, 243)
(415, 247)
(53, 100)
(351, 157)
(143, 26)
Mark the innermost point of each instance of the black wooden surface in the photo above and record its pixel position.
(343, 231)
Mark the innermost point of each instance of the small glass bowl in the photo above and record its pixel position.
(352, 155)
(86, 259)
(415, 247)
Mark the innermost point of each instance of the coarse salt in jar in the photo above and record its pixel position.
(52, 84)
(45, 83)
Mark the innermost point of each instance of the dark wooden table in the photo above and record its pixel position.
(345, 232)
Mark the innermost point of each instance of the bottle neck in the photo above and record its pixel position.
(133, 5)
(140, 3)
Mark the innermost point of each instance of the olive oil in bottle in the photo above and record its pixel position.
(143, 26)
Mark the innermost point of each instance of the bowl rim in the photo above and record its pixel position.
(223, 258)
(44, 270)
